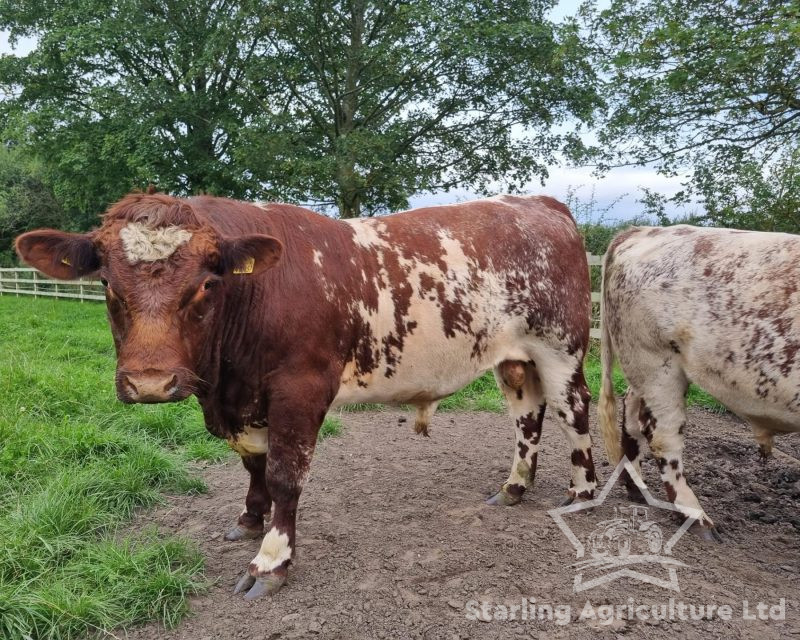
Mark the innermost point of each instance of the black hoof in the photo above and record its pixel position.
(245, 582)
(572, 499)
(708, 533)
(504, 499)
(243, 533)
(265, 586)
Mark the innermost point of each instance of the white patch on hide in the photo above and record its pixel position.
(141, 243)
(275, 550)
(250, 442)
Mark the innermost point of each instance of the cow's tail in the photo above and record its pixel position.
(607, 408)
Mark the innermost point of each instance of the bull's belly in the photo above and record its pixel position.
(431, 370)
(774, 405)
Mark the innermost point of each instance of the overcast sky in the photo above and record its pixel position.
(619, 185)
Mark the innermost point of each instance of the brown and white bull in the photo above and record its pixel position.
(272, 314)
(717, 307)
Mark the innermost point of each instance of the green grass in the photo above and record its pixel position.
(331, 427)
(75, 464)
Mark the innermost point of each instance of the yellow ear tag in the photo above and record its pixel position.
(66, 262)
(246, 267)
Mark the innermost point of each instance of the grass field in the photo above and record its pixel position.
(75, 464)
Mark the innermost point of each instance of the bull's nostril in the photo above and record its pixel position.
(130, 387)
(172, 385)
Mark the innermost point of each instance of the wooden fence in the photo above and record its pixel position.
(596, 277)
(29, 282)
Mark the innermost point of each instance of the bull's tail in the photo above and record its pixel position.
(607, 408)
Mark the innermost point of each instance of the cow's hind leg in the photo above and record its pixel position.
(662, 416)
(634, 442)
(568, 395)
(257, 504)
(522, 388)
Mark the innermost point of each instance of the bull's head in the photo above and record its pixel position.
(166, 275)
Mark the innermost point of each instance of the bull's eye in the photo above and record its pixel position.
(208, 284)
(104, 282)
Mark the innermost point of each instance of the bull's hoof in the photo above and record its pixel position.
(504, 499)
(260, 586)
(243, 533)
(706, 532)
(576, 498)
(244, 583)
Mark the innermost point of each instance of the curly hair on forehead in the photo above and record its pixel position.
(153, 210)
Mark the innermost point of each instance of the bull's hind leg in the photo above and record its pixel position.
(568, 395)
(661, 414)
(257, 504)
(522, 388)
(634, 442)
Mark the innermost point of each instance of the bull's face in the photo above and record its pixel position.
(166, 286)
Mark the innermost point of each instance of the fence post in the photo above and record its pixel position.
(16, 282)
(35, 284)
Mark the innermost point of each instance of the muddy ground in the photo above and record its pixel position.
(395, 541)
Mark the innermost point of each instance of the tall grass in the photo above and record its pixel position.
(74, 466)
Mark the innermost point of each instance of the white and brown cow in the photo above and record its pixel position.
(273, 314)
(717, 307)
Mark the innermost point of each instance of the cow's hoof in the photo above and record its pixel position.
(573, 499)
(244, 584)
(243, 533)
(705, 532)
(504, 499)
(258, 587)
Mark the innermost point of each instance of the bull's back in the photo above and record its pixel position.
(461, 288)
(723, 303)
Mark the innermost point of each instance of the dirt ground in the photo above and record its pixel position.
(395, 541)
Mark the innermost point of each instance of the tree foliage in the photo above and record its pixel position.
(120, 93)
(358, 103)
(711, 87)
(26, 201)
(389, 98)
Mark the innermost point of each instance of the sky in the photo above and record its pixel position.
(615, 194)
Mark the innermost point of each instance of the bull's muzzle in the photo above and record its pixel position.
(150, 386)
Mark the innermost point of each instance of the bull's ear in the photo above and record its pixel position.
(61, 255)
(249, 255)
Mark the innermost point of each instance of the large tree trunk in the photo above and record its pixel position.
(349, 182)
(349, 199)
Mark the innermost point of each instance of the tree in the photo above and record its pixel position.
(25, 201)
(712, 86)
(357, 103)
(121, 93)
(388, 98)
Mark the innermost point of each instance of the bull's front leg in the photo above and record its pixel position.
(258, 502)
(292, 436)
